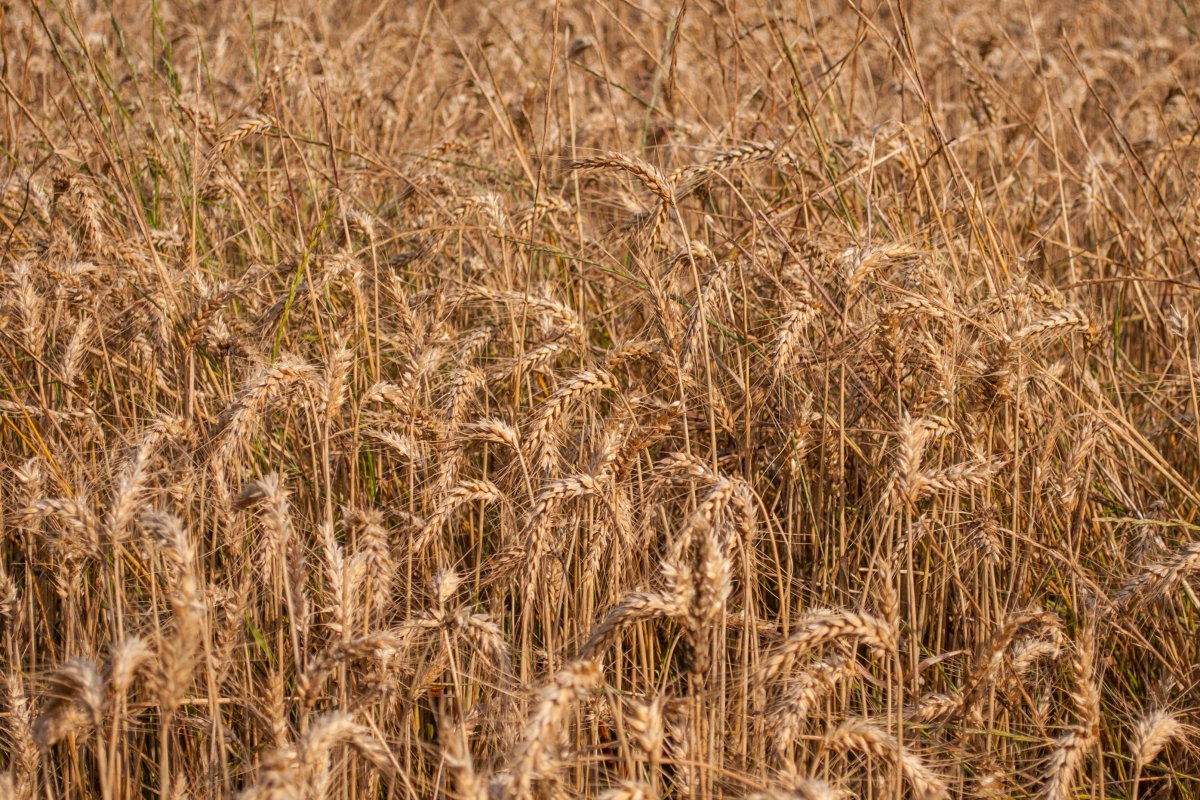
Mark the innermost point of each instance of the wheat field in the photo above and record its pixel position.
(627, 399)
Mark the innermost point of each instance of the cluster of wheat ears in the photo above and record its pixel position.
(611, 399)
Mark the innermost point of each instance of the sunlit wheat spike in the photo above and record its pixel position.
(538, 527)
(239, 133)
(491, 430)
(1026, 653)
(334, 379)
(307, 766)
(801, 695)
(1063, 766)
(75, 518)
(521, 303)
(488, 639)
(1085, 694)
(649, 176)
(20, 738)
(126, 658)
(956, 478)
(818, 628)
(636, 350)
(647, 726)
(864, 737)
(541, 429)
(634, 607)
(8, 407)
(132, 482)
(990, 654)
(74, 702)
(374, 548)
(1159, 579)
(629, 790)
(399, 444)
(76, 351)
(791, 329)
(858, 265)
(279, 776)
(688, 179)
(805, 789)
(536, 359)
(338, 728)
(554, 701)
(468, 491)
(934, 707)
(1060, 321)
(275, 500)
(1152, 733)
(268, 386)
(456, 752)
(684, 465)
(178, 650)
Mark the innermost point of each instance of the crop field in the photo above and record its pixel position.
(622, 399)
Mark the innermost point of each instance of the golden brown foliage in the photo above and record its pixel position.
(633, 400)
